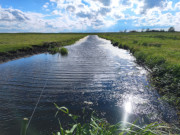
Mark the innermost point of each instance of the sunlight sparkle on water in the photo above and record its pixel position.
(128, 107)
(127, 110)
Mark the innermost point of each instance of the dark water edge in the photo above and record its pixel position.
(95, 76)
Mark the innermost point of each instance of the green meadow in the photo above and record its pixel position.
(13, 42)
(160, 53)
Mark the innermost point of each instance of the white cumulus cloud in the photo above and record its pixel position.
(78, 15)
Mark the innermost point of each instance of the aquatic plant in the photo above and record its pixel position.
(64, 51)
(97, 126)
(54, 50)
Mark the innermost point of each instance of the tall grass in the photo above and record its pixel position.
(98, 126)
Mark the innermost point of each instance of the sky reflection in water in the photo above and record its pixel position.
(95, 75)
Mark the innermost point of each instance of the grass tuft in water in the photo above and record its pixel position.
(54, 50)
(64, 51)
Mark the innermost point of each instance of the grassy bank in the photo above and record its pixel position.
(20, 44)
(159, 52)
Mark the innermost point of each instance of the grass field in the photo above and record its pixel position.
(13, 42)
(160, 52)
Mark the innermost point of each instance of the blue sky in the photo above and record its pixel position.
(88, 15)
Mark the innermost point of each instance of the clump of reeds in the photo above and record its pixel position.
(64, 51)
(54, 50)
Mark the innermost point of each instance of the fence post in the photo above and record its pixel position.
(24, 126)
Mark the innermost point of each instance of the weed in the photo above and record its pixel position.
(97, 126)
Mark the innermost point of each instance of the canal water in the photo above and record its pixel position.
(94, 75)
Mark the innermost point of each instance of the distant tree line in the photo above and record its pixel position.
(171, 29)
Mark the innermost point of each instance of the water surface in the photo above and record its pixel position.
(95, 75)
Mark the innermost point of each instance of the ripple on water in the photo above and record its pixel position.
(94, 75)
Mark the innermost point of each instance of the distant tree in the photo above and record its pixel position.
(154, 30)
(133, 31)
(147, 30)
(125, 31)
(142, 30)
(162, 30)
(171, 29)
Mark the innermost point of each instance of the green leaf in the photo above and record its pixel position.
(63, 109)
(73, 128)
